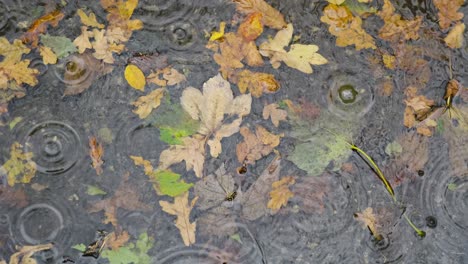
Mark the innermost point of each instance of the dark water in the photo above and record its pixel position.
(56, 129)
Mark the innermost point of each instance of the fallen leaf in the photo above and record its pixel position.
(389, 61)
(252, 27)
(136, 252)
(94, 190)
(62, 46)
(272, 111)
(40, 25)
(396, 28)
(115, 241)
(216, 35)
(280, 194)
(346, 27)
(299, 56)
(90, 20)
(173, 77)
(455, 38)
(149, 61)
(82, 41)
(48, 56)
(256, 83)
(417, 112)
(270, 16)
(448, 12)
(255, 146)
(336, 2)
(147, 103)
(125, 197)
(368, 220)
(181, 208)
(211, 106)
(310, 191)
(25, 253)
(135, 77)
(95, 152)
(165, 182)
(119, 14)
(19, 168)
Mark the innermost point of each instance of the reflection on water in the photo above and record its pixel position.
(78, 97)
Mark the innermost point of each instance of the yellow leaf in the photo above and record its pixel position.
(272, 111)
(135, 77)
(251, 27)
(215, 35)
(336, 2)
(182, 208)
(89, 20)
(455, 38)
(101, 47)
(139, 161)
(389, 61)
(48, 56)
(19, 168)
(256, 83)
(145, 104)
(299, 56)
(82, 41)
(280, 194)
(12, 68)
(270, 16)
(25, 253)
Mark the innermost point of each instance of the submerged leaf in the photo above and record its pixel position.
(40, 25)
(256, 83)
(270, 16)
(368, 220)
(19, 168)
(95, 152)
(396, 28)
(255, 146)
(62, 46)
(132, 252)
(25, 253)
(280, 194)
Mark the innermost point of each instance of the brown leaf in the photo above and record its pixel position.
(182, 208)
(256, 83)
(95, 152)
(12, 198)
(346, 27)
(149, 61)
(251, 27)
(255, 146)
(396, 28)
(448, 12)
(270, 16)
(115, 241)
(280, 194)
(40, 25)
(368, 220)
(272, 111)
(147, 103)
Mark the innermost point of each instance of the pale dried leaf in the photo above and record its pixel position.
(147, 103)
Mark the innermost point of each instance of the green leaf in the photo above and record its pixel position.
(14, 122)
(236, 237)
(172, 136)
(105, 134)
(452, 186)
(394, 148)
(136, 253)
(94, 190)
(80, 247)
(169, 183)
(61, 46)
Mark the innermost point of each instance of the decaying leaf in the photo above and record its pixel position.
(166, 77)
(272, 111)
(149, 61)
(310, 191)
(62, 46)
(96, 151)
(165, 182)
(125, 197)
(19, 168)
(396, 28)
(192, 151)
(48, 56)
(136, 252)
(40, 25)
(368, 220)
(119, 14)
(211, 106)
(448, 12)
(455, 38)
(182, 208)
(12, 198)
(25, 253)
(135, 77)
(270, 16)
(256, 83)
(255, 146)
(417, 114)
(346, 27)
(147, 103)
(299, 56)
(281, 193)
(82, 41)
(90, 20)
(115, 241)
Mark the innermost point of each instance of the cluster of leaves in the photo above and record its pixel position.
(19, 168)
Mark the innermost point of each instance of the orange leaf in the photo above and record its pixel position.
(95, 152)
(395, 28)
(40, 26)
(251, 27)
(280, 194)
(256, 83)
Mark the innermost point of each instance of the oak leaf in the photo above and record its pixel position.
(455, 38)
(12, 68)
(346, 27)
(448, 12)
(147, 103)
(182, 208)
(273, 112)
(95, 152)
(396, 28)
(19, 168)
(48, 56)
(211, 106)
(270, 16)
(299, 56)
(281, 193)
(101, 46)
(89, 20)
(255, 146)
(115, 241)
(256, 83)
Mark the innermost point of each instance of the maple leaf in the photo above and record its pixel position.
(454, 38)
(448, 12)
(211, 106)
(182, 208)
(299, 56)
(12, 68)
(395, 28)
(192, 151)
(280, 194)
(346, 27)
(89, 20)
(25, 253)
(272, 111)
(256, 83)
(19, 168)
(48, 56)
(40, 26)
(101, 46)
(95, 152)
(255, 146)
(270, 16)
(368, 220)
(147, 103)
